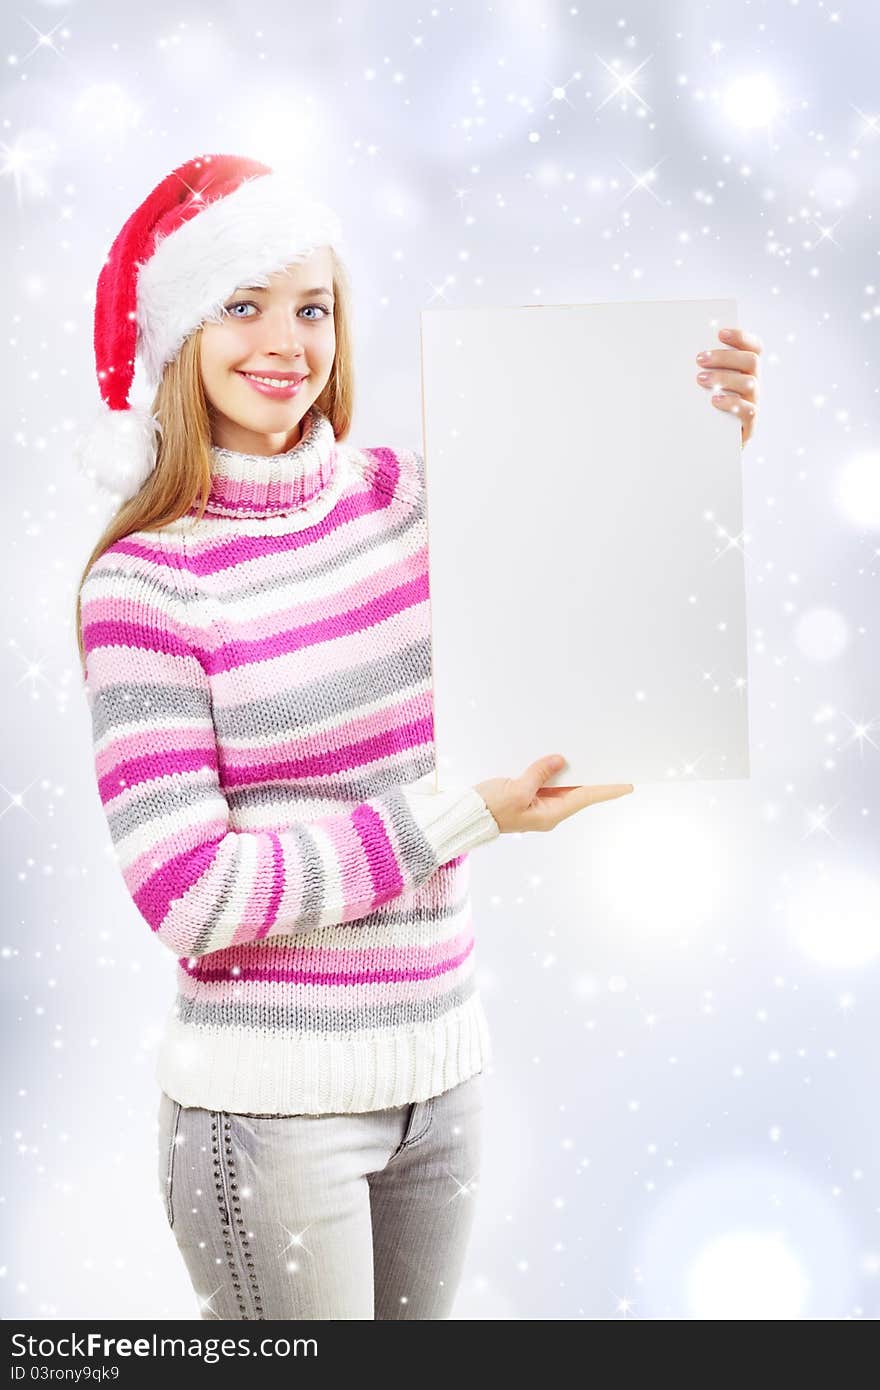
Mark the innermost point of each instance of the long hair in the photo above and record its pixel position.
(181, 478)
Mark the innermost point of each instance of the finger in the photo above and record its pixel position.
(553, 793)
(550, 811)
(732, 401)
(540, 771)
(742, 382)
(733, 404)
(580, 786)
(735, 358)
(738, 337)
(579, 797)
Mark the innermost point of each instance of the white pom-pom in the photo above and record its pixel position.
(118, 453)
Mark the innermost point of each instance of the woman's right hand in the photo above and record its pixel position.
(524, 803)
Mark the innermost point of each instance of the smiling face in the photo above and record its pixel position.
(281, 332)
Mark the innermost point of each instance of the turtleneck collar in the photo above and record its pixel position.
(245, 485)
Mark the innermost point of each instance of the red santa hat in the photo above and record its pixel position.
(212, 224)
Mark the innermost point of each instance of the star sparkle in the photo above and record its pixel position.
(861, 734)
(625, 83)
(44, 40)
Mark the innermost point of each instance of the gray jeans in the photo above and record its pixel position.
(363, 1215)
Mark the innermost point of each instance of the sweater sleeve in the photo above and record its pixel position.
(200, 884)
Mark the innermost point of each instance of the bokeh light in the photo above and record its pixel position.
(834, 915)
(746, 1239)
(751, 101)
(858, 489)
(821, 634)
(681, 875)
(746, 1274)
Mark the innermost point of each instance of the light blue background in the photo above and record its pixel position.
(681, 1117)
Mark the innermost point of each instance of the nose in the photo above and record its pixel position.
(281, 331)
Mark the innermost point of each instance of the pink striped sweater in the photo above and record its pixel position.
(261, 699)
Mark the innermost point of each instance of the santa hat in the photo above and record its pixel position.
(214, 223)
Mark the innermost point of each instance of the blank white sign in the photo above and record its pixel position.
(586, 555)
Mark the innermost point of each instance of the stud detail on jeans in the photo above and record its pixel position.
(240, 1222)
(224, 1221)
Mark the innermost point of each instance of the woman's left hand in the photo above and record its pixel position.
(731, 374)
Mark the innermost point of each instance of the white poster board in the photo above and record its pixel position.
(584, 504)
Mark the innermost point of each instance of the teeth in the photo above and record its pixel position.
(267, 380)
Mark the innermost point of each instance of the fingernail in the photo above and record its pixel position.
(725, 333)
(702, 357)
(704, 376)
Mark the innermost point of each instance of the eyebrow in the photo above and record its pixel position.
(320, 289)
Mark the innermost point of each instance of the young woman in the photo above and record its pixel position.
(254, 631)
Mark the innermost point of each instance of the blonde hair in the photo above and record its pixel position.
(181, 478)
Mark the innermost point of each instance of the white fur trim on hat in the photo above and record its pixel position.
(118, 452)
(265, 224)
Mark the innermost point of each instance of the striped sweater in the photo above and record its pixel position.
(260, 690)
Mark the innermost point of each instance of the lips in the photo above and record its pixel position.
(279, 387)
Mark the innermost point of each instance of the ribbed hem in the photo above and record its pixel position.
(243, 1071)
(453, 820)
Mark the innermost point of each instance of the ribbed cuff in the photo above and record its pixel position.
(453, 820)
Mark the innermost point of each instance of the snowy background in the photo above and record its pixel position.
(683, 987)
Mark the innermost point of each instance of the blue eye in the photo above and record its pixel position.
(249, 304)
